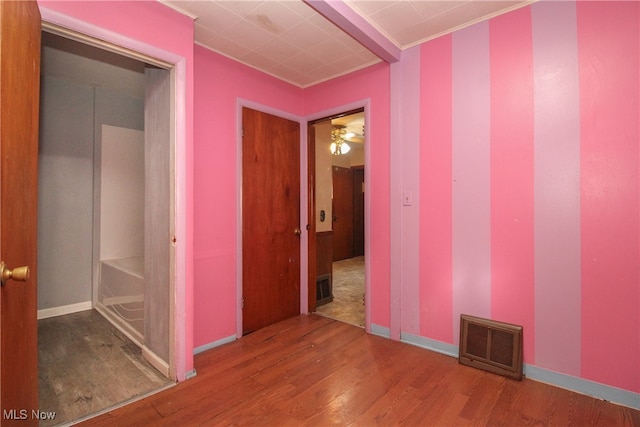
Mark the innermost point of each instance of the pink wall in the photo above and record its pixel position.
(609, 50)
(157, 31)
(219, 83)
(371, 83)
(559, 253)
(436, 296)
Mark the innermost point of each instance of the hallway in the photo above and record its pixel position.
(348, 292)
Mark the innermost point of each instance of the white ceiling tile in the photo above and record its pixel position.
(240, 7)
(226, 46)
(304, 62)
(328, 49)
(325, 25)
(301, 8)
(278, 50)
(493, 8)
(430, 9)
(405, 37)
(354, 61)
(258, 60)
(213, 16)
(369, 7)
(304, 35)
(290, 40)
(400, 15)
(274, 17)
(247, 34)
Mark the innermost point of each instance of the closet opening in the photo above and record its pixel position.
(105, 221)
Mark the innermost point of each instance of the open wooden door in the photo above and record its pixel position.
(19, 108)
(311, 219)
(270, 219)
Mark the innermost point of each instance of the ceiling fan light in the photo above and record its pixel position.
(344, 148)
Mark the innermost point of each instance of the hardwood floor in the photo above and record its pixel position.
(315, 371)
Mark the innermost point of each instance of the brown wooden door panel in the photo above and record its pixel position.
(342, 213)
(19, 109)
(270, 216)
(311, 219)
(358, 211)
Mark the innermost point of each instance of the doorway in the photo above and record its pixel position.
(338, 210)
(104, 223)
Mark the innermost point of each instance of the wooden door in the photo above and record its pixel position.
(358, 210)
(270, 219)
(311, 219)
(19, 107)
(342, 213)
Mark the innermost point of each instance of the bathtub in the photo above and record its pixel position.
(121, 295)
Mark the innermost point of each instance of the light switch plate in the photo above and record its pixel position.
(407, 198)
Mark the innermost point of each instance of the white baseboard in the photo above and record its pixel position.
(582, 386)
(214, 344)
(380, 331)
(557, 379)
(430, 344)
(45, 313)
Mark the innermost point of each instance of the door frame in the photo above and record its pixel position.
(87, 33)
(240, 104)
(336, 111)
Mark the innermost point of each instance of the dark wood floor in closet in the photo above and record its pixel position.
(86, 365)
(314, 371)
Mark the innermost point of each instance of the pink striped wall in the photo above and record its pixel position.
(530, 193)
(471, 203)
(436, 309)
(608, 50)
(556, 187)
(511, 157)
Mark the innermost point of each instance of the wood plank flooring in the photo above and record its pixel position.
(87, 365)
(315, 371)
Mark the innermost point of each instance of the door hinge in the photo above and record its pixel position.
(242, 303)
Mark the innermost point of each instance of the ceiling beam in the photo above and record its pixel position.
(349, 21)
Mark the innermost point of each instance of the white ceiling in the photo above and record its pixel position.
(290, 40)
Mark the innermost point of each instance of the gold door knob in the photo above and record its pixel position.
(297, 231)
(20, 274)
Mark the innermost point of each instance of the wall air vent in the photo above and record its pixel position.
(490, 345)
